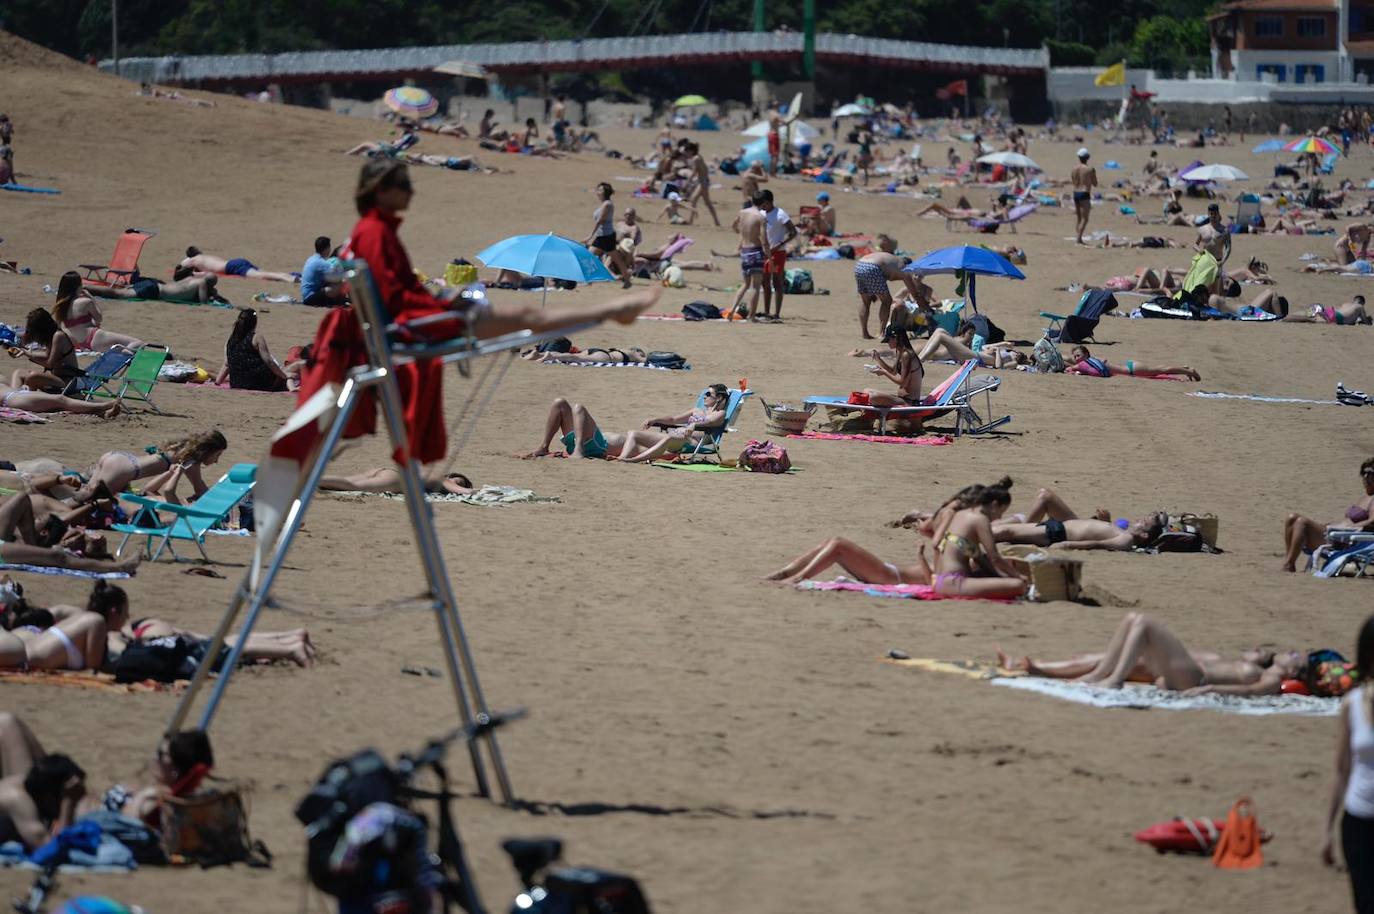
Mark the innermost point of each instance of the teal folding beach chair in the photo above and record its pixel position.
(708, 445)
(139, 378)
(187, 522)
(99, 374)
(953, 395)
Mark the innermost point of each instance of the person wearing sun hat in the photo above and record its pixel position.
(1084, 179)
(822, 222)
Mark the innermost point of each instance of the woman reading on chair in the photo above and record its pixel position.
(906, 371)
(1302, 534)
(675, 433)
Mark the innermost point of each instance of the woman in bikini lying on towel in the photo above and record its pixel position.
(1082, 362)
(1302, 534)
(1143, 650)
(68, 637)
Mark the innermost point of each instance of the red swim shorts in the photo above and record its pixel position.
(774, 145)
(776, 262)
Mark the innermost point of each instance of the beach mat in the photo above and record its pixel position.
(1219, 395)
(711, 468)
(923, 441)
(25, 189)
(65, 572)
(80, 679)
(901, 591)
(970, 669)
(485, 497)
(615, 365)
(21, 416)
(1137, 696)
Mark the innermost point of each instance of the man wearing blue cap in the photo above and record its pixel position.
(823, 221)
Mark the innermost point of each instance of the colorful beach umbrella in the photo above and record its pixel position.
(1311, 143)
(411, 101)
(968, 262)
(1215, 173)
(546, 256)
(691, 101)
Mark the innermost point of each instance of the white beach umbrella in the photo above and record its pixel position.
(1009, 159)
(850, 110)
(1215, 173)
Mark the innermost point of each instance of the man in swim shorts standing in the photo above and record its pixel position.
(872, 272)
(1084, 179)
(1213, 238)
(779, 230)
(753, 251)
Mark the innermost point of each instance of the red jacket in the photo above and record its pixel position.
(338, 344)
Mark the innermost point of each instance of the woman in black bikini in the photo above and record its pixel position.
(248, 363)
(906, 372)
(56, 359)
(1302, 534)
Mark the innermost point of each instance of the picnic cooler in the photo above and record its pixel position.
(1055, 577)
(1204, 525)
(786, 419)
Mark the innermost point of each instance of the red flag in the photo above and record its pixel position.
(958, 87)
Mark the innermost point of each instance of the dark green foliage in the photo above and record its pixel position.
(1164, 33)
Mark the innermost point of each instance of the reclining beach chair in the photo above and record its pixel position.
(709, 444)
(954, 395)
(1079, 326)
(988, 226)
(99, 374)
(1247, 209)
(188, 522)
(123, 266)
(138, 380)
(1342, 549)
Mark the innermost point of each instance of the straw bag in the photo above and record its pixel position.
(1238, 848)
(460, 274)
(784, 419)
(210, 827)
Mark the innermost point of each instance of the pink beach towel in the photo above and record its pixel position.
(923, 441)
(909, 591)
(10, 414)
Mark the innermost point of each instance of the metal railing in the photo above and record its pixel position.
(572, 54)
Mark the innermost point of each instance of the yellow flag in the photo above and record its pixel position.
(1115, 75)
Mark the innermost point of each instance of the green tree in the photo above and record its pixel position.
(1169, 44)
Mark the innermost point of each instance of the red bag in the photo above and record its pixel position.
(764, 457)
(858, 398)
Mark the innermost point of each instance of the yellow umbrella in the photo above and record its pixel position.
(691, 101)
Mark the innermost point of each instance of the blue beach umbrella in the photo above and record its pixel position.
(968, 262)
(1268, 146)
(548, 257)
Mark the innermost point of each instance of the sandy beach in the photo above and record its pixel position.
(737, 747)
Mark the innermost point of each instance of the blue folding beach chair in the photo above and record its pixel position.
(954, 395)
(99, 374)
(1079, 326)
(188, 522)
(1343, 549)
(709, 443)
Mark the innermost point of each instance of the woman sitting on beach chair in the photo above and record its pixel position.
(1143, 650)
(1082, 362)
(676, 432)
(1302, 534)
(906, 371)
(116, 470)
(74, 308)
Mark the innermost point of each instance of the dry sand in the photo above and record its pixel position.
(739, 746)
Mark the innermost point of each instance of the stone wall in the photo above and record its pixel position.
(1192, 116)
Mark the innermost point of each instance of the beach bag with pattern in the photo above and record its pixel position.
(1047, 356)
(764, 457)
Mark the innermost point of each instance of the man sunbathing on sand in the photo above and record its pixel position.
(202, 264)
(184, 287)
(1143, 650)
(1052, 523)
(23, 543)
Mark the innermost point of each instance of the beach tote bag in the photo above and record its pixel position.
(209, 827)
(1238, 848)
(764, 457)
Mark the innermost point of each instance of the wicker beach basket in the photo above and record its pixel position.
(785, 419)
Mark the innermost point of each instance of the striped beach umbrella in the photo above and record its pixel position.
(411, 101)
(1311, 143)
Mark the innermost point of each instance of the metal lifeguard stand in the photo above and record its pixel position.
(254, 591)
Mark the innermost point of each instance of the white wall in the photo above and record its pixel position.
(1246, 62)
(1075, 84)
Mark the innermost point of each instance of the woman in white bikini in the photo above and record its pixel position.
(76, 312)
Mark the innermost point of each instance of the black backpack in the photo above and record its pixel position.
(666, 360)
(345, 788)
(700, 311)
(160, 659)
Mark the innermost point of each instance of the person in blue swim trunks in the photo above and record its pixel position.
(201, 264)
(574, 426)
